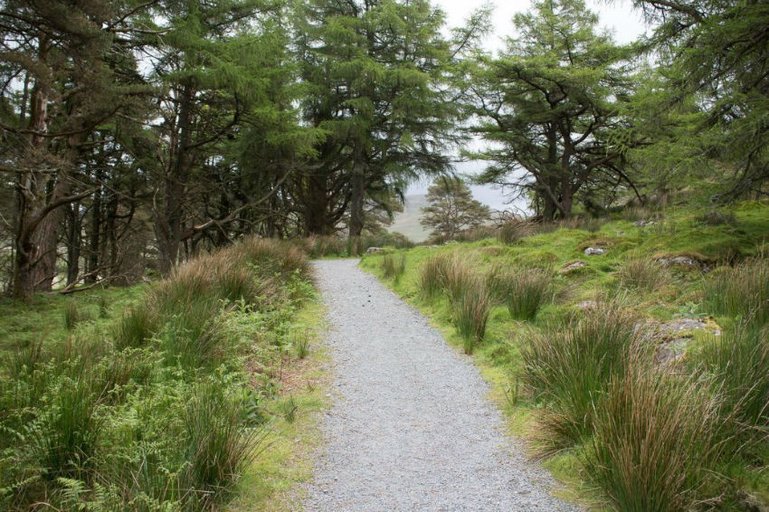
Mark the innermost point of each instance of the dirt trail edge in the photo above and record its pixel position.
(411, 428)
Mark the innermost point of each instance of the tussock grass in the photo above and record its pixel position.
(741, 291)
(658, 441)
(393, 267)
(514, 230)
(166, 416)
(432, 275)
(738, 361)
(471, 312)
(72, 315)
(524, 291)
(457, 277)
(568, 367)
(66, 435)
(217, 444)
(137, 325)
(643, 274)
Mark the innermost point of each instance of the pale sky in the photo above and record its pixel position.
(625, 23)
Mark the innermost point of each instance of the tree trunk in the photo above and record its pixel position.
(168, 221)
(74, 239)
(316, 206)
(357, 199)
(94, 241)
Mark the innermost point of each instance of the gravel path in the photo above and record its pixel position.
(411, 428)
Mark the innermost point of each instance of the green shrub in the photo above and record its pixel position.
(741, 291)
(568, 367)
(471, 312)
(523, 291)
(657, 441)
(643, 274)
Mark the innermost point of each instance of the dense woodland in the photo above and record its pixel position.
(137, 133)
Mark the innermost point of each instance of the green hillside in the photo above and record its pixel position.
(625, 350)
(407, 222)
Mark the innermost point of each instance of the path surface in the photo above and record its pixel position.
(411, 428)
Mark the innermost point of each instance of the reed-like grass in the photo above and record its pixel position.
(392, 267)
(741, 291)
(471, 309)
(568, 367)
(65, 435)
(524, 291)
(72, 315)
(643, 274)
(513, 230)
(432, 275)
(217, 444)
(739, 363)
(658, 441)
(458, 276)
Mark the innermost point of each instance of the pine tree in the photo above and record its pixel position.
(372, 71)
(451, 209)
(717, 56)
(550, 105)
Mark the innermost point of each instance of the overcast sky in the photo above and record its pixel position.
(618, 16)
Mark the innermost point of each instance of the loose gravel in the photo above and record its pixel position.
(411, 428)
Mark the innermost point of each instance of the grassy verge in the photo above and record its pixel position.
(272, 483)
(574, 346)
(156, 398)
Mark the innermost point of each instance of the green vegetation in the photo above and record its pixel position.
(161, 401)
(587, 376)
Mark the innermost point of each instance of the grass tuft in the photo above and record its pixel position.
(471, 312)
(568, 367)
(738, 360)
(658, 441)
(643, 274)
(72, 315)
(392, 268)
(523, 291)
(432, 276)
(217, 445)
(741, 291)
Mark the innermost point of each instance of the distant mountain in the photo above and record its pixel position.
(407, 222)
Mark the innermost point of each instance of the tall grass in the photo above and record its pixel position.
(72, 315)
(471, 312)
(741, 291)
(568, 367)
(432, 275)
(523, 291)
(658, 441)
(392, 267)
(514, 230)
(457, 277)
(643, 274)
(65, 436)
(739, 364)
(161, 418)
(217, 444)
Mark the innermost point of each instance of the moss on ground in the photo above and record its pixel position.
(707, 238)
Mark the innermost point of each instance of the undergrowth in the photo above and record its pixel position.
(155, 408)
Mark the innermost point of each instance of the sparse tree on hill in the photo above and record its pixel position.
(451, 209)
